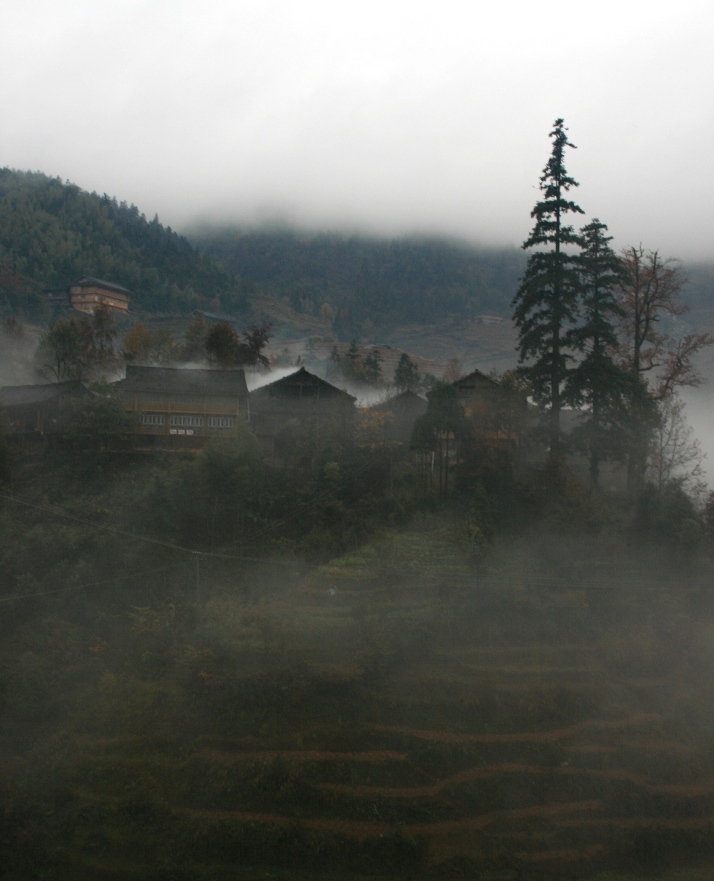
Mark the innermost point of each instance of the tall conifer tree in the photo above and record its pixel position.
(598, 381)
(545, 304)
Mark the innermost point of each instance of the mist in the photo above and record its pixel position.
(334, 665)
(390, 119)
(18, 344)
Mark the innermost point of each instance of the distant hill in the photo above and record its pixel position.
(346, 286)
(52, 232)
(699, 291)
(382, 281)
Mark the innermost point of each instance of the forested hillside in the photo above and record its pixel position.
(387, 280)
(53, 232)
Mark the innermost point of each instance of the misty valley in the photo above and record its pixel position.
(288, 591)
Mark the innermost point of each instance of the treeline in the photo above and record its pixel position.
(364, 279)
(51, 233)
(83, 347)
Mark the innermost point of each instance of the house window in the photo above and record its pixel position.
(187, 421)
(153, 419)
(220, 422)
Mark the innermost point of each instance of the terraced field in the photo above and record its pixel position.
(402, 713)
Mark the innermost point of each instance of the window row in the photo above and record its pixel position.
(187, 421)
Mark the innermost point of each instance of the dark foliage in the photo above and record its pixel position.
(406, 375)
(394, 281)
(546, 303)
(224, 347)
(597, 381)
(79, 346)
(52, 233)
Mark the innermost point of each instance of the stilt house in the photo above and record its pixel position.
(182, 408)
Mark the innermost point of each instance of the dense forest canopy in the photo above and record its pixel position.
(393, 280)
(52, 232)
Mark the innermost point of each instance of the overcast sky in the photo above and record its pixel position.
(389, 116)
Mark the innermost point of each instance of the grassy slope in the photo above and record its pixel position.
(402, 710)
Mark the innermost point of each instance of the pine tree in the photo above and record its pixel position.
(598, 381)
(373, 367)
(406, 376)
(545, 304)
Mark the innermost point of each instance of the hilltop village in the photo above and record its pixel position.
(292, 411)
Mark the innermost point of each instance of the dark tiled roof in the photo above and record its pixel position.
(183, 381)
(17, 395)
(410, 400)
(474, 376)
(303, 378)
(87, 281)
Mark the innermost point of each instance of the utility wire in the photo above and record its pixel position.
(464, 580)
(59, 512)
(46, 593)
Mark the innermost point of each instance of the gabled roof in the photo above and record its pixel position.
(476, 377)
(86, 281)
(183, 381)
(19, 395)
(300, 381)
(405, 401)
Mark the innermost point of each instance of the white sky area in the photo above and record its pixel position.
(391, 117)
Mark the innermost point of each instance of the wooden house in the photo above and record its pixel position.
(43, 409)
(87, 294)
(497, 415)
(475, 388)
(401, 411)
(182, 408)
(300, 412)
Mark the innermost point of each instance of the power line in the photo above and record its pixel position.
(74, 587)
(59, 512)
(527, 582)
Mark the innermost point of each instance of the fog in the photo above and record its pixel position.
(18, 344)
(388, 118)
(700, 415)
(257, 379)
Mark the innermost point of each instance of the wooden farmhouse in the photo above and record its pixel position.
(475, 388)
(401, 413)
(300, 413)
(87, 294)
(497, 416)
(44, 409)
(178, 408)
